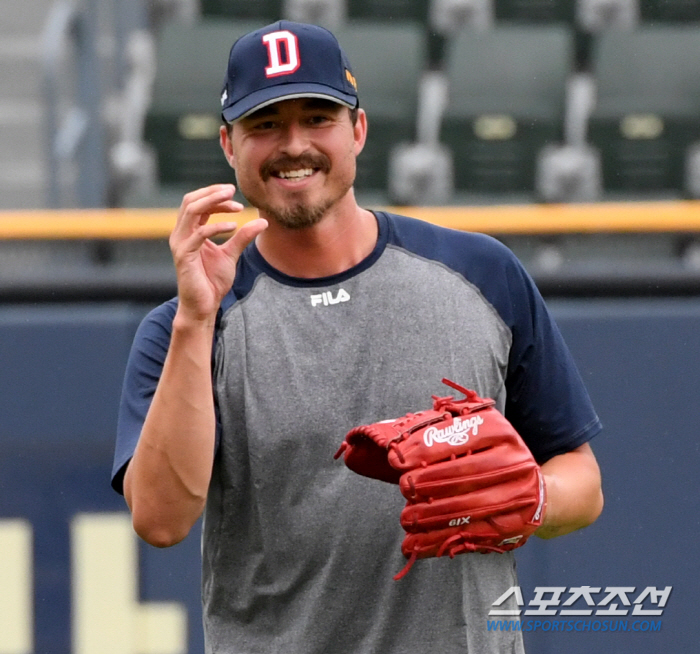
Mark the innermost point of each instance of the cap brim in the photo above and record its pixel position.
(265, 97)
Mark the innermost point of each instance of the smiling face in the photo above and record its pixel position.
(295, 159)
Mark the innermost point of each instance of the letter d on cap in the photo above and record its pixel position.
(281, 63)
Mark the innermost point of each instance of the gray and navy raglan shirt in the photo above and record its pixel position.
(299, 552)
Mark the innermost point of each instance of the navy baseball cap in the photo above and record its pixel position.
(282, 61)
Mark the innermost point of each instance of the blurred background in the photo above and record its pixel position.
(568, 129)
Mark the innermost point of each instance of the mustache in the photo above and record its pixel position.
(274, 166)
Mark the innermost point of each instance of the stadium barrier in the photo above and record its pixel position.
(623, 217)
(76, 580)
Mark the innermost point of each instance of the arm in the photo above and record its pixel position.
(166, 482)
(574, 493)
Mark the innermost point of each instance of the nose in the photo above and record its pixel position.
(295, 139)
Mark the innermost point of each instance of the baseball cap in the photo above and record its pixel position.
(282, 61)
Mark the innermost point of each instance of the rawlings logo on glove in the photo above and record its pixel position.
(470, 482)
(456, 434)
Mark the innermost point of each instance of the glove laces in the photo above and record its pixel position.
(452, 546)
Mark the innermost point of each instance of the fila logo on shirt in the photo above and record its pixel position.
(282, 52)
(327, 298)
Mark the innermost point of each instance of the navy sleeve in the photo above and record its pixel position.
(145, 365)
(546, 400)
(143, 370)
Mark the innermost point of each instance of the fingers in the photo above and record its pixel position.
(200, 196)
(243, 236)
(192, 228)
(197, 207)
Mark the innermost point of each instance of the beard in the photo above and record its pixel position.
(299, 213)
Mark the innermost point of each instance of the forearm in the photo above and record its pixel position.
(574, 493)
(167, 479)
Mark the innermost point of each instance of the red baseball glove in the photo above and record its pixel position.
(470, 482)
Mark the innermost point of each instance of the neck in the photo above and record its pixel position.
(344, 237)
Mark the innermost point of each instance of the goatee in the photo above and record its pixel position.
(298, 216)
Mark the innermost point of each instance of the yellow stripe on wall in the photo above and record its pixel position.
(567, 218)
(676, 216)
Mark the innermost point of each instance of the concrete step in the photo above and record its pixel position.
(24, 16)
(20, 68)
(22, 132)
(23, 138)
(23, 187)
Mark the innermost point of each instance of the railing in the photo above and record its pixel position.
(98, 71)
(73, 123)
(571, 250)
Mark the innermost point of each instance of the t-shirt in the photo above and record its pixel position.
(298, 552)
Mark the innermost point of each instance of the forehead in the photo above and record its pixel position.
(295, 104)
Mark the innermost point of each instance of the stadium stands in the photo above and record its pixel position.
(261, 10)
(648, 107)
(270, 10)
(514, 71)
(388, 10)
(387, 61)
(672, 11)
(535, 11)
(507, 91)
(184, 119)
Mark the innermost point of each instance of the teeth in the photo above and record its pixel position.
(296, 174)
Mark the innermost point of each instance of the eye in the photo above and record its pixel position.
(318, 119)
(264, 125)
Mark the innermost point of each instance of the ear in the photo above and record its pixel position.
(360, 131)
(227, 146)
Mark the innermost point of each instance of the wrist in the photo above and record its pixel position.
(549, 527)
(187, 322)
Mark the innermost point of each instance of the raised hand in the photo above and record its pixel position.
(205, 269)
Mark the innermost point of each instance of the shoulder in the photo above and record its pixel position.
(462, 251)
(423, 235)
(481, 259)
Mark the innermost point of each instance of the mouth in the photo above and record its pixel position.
(295, 169)
(295, 175)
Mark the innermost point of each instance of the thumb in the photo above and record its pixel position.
(243, 236)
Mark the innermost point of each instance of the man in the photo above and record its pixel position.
(323, 316)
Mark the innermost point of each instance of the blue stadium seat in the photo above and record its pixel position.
(263, 10)
(535, 11)
(672, 11)
(507, 98)
(388, 10)
(387, 60)
(183, 122)
(648, 106)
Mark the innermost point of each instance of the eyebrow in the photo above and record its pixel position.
(309, 104)
(269, 110)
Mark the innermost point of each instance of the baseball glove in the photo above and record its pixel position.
(470, 482)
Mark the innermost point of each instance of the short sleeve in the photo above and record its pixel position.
(547, 401)
(143, 370)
